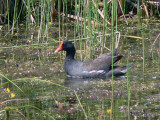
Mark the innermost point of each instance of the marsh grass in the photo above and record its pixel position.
(39, 13)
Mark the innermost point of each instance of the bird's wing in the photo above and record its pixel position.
(103, 62)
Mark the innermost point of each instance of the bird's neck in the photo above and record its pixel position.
(70, 54)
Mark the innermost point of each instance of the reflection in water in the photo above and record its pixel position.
(76, 83)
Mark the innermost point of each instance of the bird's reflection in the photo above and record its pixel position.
(78, 83)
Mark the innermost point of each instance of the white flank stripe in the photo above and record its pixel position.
(124, 71)
(94, 71)
(100, 71)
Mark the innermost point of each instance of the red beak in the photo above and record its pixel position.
(59, 48)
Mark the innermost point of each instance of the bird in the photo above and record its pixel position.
(101, 67)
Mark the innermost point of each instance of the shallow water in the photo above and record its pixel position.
(40, 74)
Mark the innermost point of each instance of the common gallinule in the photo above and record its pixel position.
(101, 67)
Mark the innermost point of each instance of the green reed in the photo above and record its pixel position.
(89, 20)
(105, 26)
(89, 24)
(14, 16)
(159, 57)
(116, 17)
(63, 23)
(138, 11)
(8, 14)
(143, 46)
(113, 18)
(75, 12)
(48, 18)
(28, 14)
(96, 19)
(78, 22)
(59, 18)
(128, 89)
(82, 22)
(41, 20)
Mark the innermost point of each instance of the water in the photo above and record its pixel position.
(48, 94)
